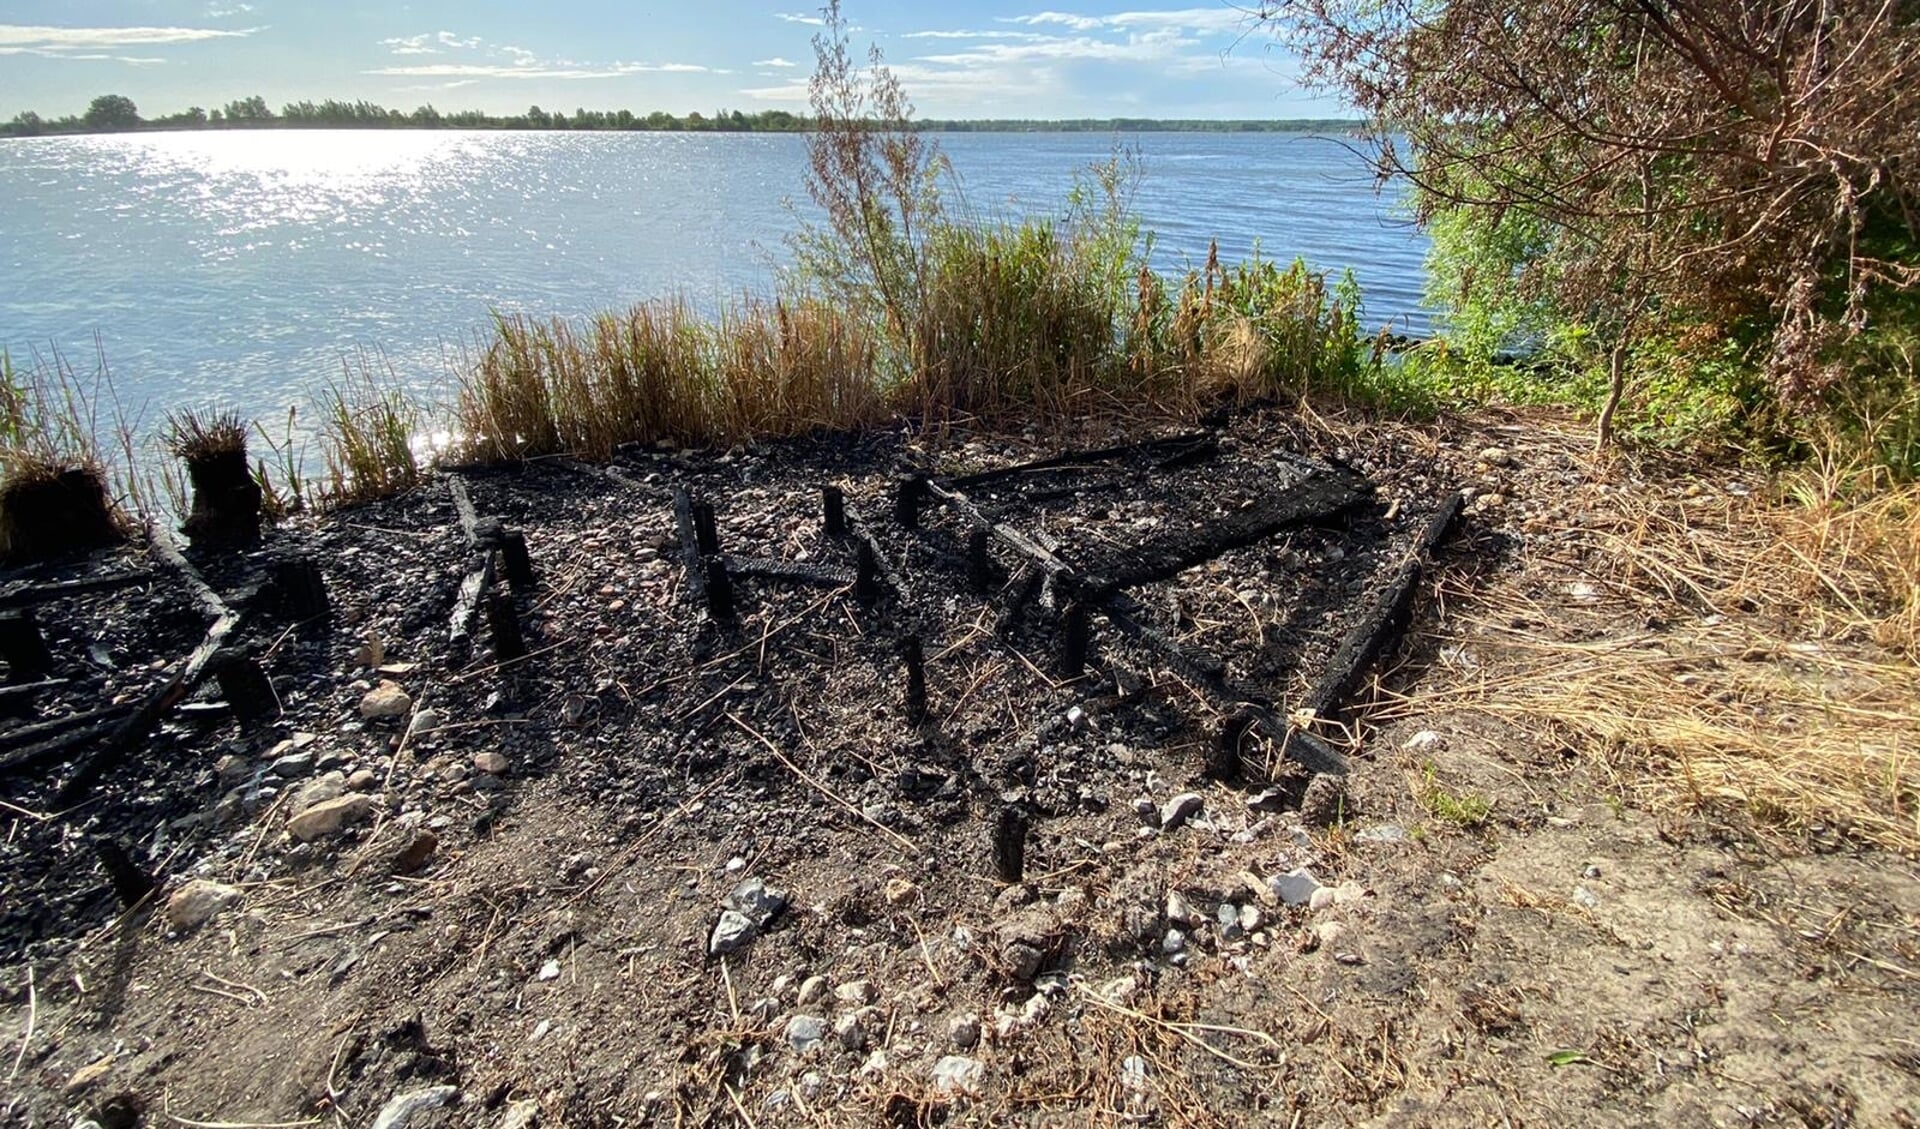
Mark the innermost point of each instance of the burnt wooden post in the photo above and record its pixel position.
(503, 627)
(913, 653)
(515, 559)
(719, 589)
(23, 647)
(246, 687)
(906, 500)
(1010, 844)
(131, 884)
(1076, 636)
(706, 534)
(833, 505)
(302, 590)
(979, 560)
(866, 576)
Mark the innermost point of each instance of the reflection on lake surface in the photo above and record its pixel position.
(238, 269)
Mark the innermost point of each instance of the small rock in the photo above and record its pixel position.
(1425, 741)
(853, 1029)
(426, 721)
(1271, 800)
(1295, 887)
(1327, 934)
(363, 780)
(550, 970)
(1228, 918)
(811, 989)
(1174, 942)
(230, 769)
(901, 893)
(521, 1115)
(1496, 456)
(419, 848)
(957, 1074)
(330, 817)
(1076, 719)
(1177, 811)
(1147, 810)
(1180, 911)
(1585, 897)
(964, 1031)
(1321, 898)
(198, 900)
(491, 763)
(389, 699)
(1383, 833)
(856, 992)
(805, 1032)
(732, 932)
(400, 1111)
(291, 765)
(328, 786)
(96, 1070)
(1251, 918)
(757, 900)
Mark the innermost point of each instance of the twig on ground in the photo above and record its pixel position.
(899, 840)
(33, 1017)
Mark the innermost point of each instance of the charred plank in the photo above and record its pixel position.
(1162, 558)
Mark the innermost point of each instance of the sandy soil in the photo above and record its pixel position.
(514, 927)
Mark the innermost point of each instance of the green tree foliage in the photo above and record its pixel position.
(111, 111)
(1707, 170)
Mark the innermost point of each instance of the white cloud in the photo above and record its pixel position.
(776, 61)
(1224, 19)
(17, 38)
(477, 71)
(800, 18)
(973, 35)
(222, 11)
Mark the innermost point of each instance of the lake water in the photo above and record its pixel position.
(240, 269)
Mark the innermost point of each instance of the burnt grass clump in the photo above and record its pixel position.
(226, 496)
(51, 509)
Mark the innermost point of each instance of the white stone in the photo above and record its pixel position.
(328, 786)
(1425, 741)
(856, 992)
(812, 988)
(1295, 887)
(958, 1074)
(805, 1032)
(329, 817)
(389, 699)
(401, 1111)
(1180, 809)
(198, 900)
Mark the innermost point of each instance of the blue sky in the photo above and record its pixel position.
(966, 58)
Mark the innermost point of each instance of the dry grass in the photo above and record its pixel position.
(368, 428)
(199, 436)
(1750, 651)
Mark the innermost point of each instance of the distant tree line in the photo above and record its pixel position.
(116, 113)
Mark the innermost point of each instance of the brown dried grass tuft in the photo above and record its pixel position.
(1748, 650)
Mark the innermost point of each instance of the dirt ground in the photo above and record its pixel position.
(1497, 924)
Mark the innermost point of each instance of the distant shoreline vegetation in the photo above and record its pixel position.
(115, 113)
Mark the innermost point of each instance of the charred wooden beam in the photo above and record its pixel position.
(148, 714)
(15, 695)
(1164, 557)
(706, 532)
(907, 499)
(246, 687)
(720, 603)
(1380, 627)
(31, 594)
(1125, 613)
(503, 628)
(300, 590)
(980, 560)
(1010, 844)
(466, 602)
(833, 510)
(913, 655)
(866, 575)
(801, 572)
(1020, 543)
(57, 740)
(516, 561)
(162, 545)
(23, 736)
(23, 648)
(683, 522)
(1076, 638)
(469, 518)
(1096, 456)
